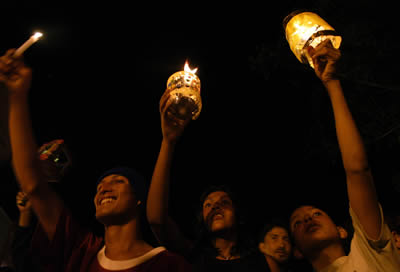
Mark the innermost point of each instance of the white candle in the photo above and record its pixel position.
(27, 44)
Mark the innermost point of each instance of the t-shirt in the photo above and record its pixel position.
(254, 262)
(158, 259)
(367, 254)
(75, 248)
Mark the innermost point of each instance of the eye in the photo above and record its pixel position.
(315, 214)
(207, 205)
(296, 224)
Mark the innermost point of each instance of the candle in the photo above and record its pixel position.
(185, 93)
(27, 44)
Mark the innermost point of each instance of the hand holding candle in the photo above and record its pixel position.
(185, 94)
(34, 38)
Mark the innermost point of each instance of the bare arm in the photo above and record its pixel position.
(162, 225)
(360, 184)
(46, 204)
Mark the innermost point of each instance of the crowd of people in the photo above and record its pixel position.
(56, 241)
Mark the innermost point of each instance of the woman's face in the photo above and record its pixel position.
(218, 212)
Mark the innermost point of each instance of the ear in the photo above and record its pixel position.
(261, 247)
(139, 202)
(342, 232)
(297, 254)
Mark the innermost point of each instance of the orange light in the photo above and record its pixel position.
(187, 68)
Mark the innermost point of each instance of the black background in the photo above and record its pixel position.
(266, 127)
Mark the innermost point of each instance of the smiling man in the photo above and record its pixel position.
(61, 243)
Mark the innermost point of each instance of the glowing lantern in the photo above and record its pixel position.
(305, 29)
(185, 94)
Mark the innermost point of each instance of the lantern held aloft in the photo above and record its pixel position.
(305, 29)
(184, 89)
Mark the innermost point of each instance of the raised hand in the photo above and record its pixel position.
(325, 58)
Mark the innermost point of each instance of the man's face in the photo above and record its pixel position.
(277, 244)
(218, 212)
(312, 228)
(115, 200)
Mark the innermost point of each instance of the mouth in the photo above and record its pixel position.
(106, 200)
(281, 252)
(217, 216)
(312, 227)
(214, 215)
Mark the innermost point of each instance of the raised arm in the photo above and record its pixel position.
(360, 184)
(46, 204)
(164, 228)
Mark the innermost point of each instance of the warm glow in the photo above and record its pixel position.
(37, 35)
(187, 68)
(304, 31)
(308, 29)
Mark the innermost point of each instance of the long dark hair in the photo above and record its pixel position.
(204, 238)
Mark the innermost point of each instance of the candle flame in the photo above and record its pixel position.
(304, 32)
(187, 68)
(37, 35)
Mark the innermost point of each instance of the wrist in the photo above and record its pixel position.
(17, 98)
(332, 84)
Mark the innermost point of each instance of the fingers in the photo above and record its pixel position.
(165, 101)
(324, 51)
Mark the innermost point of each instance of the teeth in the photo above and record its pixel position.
(106, 200)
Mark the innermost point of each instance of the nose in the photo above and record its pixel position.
(307, 218)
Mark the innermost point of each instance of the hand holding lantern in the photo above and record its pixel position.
(304, 29)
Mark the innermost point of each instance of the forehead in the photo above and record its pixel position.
(301, 210)
(217, 195)
(113, 177)
(278, 231)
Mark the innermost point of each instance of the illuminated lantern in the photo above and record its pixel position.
(185, 94)
(305, 29)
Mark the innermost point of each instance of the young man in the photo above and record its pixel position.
(316, 237)
(221, 244)
(60, 243)
(275, 244)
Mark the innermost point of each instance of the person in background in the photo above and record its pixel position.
(61, 243)
(221, 244)
(275, 244)
(316, 237)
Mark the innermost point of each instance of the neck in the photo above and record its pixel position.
(322, 258)
(124, 241)
(224, 246)
(274, 266)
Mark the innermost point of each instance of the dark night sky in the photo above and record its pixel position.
(266, 125)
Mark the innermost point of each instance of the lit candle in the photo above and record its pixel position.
(305, 29)
(185, 93)
(27, 44)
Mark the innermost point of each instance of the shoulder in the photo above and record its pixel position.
(170, 261)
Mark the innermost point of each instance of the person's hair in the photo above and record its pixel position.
(276, 222)
(204, 238)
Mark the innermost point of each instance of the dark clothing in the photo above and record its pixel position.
(75, 249)
(254, 262)
(20, 249)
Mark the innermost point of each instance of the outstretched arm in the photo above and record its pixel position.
(360, 184)
(164, 228)
(46, 204)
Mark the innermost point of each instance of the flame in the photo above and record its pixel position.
(304, 31)
(187, 68)
(37, 36)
